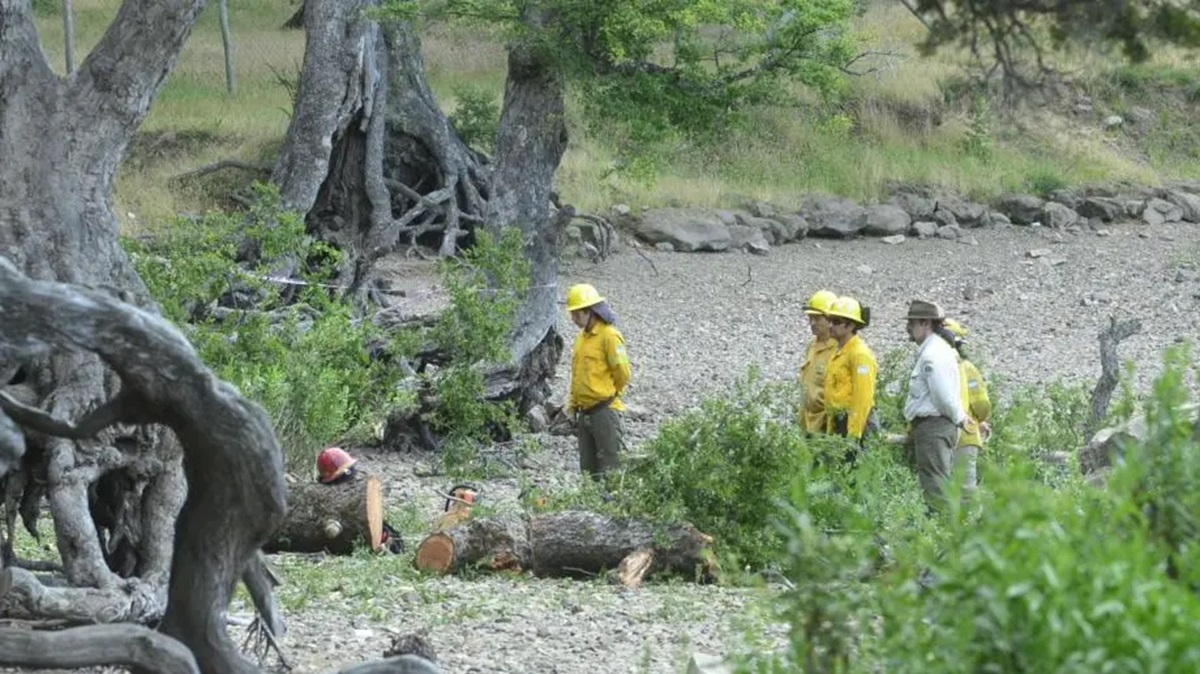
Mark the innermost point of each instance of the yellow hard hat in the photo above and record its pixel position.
(818, 304)
(582, 296)
(846, 307)
(956, 328)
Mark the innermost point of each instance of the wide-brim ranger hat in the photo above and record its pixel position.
(920, 310)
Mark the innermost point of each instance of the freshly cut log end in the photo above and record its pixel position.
(333, 518)
(435, 553)
(375, 515)
(633, 568)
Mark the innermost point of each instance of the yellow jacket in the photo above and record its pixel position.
(599, 368)
(975, 401)
(812, 382)
(850, 386)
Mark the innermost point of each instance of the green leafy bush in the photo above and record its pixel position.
(725, 467)
(1044, 577)
(486, 288)
(307, 362)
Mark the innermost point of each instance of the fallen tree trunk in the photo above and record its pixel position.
(572, 543)
(334, 518)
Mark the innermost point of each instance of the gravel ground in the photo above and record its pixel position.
(693, 328)
(696, 325)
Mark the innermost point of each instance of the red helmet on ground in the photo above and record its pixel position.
(333, 463)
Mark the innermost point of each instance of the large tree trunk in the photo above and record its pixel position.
(384, 163)
(529, 146)
(113, 498)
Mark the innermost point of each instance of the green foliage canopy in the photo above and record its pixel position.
(1005, 30)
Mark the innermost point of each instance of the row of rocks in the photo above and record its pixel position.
(911, 211)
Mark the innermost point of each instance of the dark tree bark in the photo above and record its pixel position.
(1110, 370)
(62, 140)
(529, 146)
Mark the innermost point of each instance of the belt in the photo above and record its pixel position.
(917, 420)
(603, 404)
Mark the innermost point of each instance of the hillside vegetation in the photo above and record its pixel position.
(903, 118)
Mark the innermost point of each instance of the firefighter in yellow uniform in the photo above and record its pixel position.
(600, 371)
(978, 406)
(850, 379)
(816, 362)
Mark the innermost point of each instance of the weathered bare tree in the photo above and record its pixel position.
(113, 498)
(385, 166)
(233, 467)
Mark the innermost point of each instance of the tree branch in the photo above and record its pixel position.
(112, 412)
(1110, 369)
(221, 165)
(117, 81)
(132, 646)
(912, 9)
(22, 56)
(846, 67)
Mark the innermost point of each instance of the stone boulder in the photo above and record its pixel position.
(886, 220)
(833, 217)
(688, 230)
(1058, 216)
(1105, 209)
(749, 239)
(965, 213)
(1188, 203)
(1022, 209)
(1159, 211)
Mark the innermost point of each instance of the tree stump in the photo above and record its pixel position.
(333, 518)
(569, 544)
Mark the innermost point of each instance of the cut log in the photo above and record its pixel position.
(333, 518)
(571, 544)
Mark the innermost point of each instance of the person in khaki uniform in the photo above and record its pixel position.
(978, 407)
(816, 362)
(850, 379)
(934, 407)
(600, 371)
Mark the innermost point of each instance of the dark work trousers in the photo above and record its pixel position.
(933, 441)
(600, 434)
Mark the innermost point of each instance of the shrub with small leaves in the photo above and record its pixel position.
(486, 287)
(306, 362)
(724, 467)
